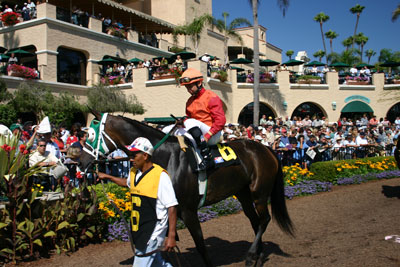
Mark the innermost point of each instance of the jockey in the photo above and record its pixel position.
(206, 117)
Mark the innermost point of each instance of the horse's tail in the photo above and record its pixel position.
(278, 204)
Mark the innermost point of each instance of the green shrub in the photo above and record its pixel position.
(308, 77)
(329, 171)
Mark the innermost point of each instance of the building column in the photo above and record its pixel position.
(47, 65)
(92, 72)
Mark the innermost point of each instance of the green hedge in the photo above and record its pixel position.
(327, 171)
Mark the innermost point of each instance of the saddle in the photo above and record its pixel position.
(222, 154)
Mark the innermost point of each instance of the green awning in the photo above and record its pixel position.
(357, 106)
(160, 120)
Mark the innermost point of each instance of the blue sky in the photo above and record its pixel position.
(298, 31)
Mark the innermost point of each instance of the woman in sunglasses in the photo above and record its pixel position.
(206, 117)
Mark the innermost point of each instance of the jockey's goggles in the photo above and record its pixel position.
(187, 80)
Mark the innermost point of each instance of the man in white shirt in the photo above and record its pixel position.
(353, 71)
(153, 207)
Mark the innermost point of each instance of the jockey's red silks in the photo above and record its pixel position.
(206, 107)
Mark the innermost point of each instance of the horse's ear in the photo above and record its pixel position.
(95, 113)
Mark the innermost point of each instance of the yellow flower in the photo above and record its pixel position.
(339, 169)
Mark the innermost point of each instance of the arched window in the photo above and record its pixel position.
(308, 108)
(71, 66)
(393, 112)
(246, 114)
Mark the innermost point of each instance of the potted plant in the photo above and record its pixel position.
(309, 79)
(396, 79)
(120, 33)
(357, 80)
(21, 71)
(265, 77)
(10, 18)
(220, 74)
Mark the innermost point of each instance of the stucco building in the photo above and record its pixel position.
(66, 56)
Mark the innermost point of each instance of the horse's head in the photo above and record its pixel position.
(103, 138)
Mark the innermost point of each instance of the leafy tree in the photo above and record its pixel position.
(319, 54)
(357, 9)
(396, 13)
(229, 31)
(283, 4)
(321, 18)
(387, 55)
(111, 99)
(4, 94)
(349, 57)
(289, 54)
(193, 29)
(8, 115)
(331, 35)
(41, 101)
(370, 53)
(347, 42)
(361, 40)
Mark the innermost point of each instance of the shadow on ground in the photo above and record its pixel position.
(391, 191)
(222, 252)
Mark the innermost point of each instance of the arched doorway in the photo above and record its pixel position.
(246, 114)
(393, 112)
(308, 108)
(355, 110)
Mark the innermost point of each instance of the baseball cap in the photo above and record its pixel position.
(141, 144)
(15, 126)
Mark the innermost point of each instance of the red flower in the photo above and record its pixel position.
(22, 148)
(6, 148)
(78, 175)
(66, 180)
(25, 152)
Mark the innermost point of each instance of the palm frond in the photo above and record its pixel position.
(239, 22)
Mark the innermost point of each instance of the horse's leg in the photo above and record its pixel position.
(256, 220)
(193, 224)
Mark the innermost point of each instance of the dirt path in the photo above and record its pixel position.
(345, 227)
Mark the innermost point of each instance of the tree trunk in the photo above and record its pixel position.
(331, 43)
(362, 49)
(355, 30)
(225, 50)
(323, 41)
(256, 89)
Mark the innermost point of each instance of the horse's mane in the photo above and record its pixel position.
(133, 121)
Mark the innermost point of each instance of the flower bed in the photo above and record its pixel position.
(264, 78)
(357, 80)
(10, 18)
(112, 80)
(167, 73)
(308, 79)
(221, 75)
(21, 71)
(117, 32)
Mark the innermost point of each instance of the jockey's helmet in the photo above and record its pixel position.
(191, 76)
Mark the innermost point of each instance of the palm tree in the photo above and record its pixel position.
(229, 31)
(193, 29)
(319, 54)
(357, 9)
(321, 18)
(396, 13)
(370, 53)
(283, 4)
(347, 42)
(289, 54)
(361, 40)
(331, 35)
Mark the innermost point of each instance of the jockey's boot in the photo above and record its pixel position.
(207, 161)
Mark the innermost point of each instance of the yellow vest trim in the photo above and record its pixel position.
(148, 185)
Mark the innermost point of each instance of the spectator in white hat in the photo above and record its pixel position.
(158, 204)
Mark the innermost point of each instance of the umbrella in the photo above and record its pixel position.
(241, 61)
(134, 60)
(3, 49)
(293, 62)
(268, 62)
(4, 58)
(339, 65)
(390, 64)
(108, 61)
(19, 53)
(316, 63)
(184, 55)
(362, 65)
(237, 68)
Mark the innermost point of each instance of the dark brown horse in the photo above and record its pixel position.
(255, 181)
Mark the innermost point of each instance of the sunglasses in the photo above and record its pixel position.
(187, 79)
(41, 145)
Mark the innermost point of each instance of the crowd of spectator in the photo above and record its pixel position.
(306, 140)
(26, 12)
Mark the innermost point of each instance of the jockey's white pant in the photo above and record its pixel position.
(189, 124)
